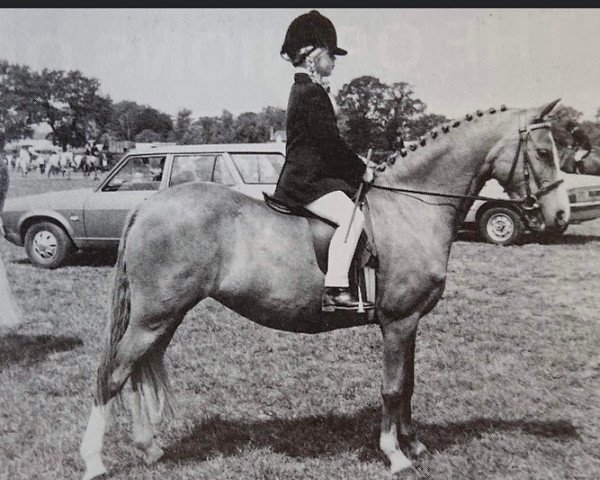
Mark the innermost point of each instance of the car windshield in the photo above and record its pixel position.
(258, 167)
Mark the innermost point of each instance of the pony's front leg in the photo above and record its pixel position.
(398, 381)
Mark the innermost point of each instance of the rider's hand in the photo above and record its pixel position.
(369, 175)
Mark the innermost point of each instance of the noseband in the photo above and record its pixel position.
(530, 202)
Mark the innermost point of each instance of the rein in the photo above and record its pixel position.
(529, 202)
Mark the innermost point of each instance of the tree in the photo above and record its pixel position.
(129, 119)
(149, 118)
(122, 121)
(362, 101)
(148, 136)
(273, 118)
(424, 123)
(70, 103)
(182, 124)
(17, 107)
(373, 114)
(193, 135)
(249, 129)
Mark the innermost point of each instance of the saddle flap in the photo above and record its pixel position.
(322, 230)
(281, 207)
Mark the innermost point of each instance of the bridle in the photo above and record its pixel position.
(529, 202)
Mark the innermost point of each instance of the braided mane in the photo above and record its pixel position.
(434, 133)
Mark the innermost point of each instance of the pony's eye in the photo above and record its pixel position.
(544, 152)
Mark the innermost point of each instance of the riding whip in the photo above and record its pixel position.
(358, 197)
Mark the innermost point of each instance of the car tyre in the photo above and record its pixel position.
(501, 226)
(47, 245)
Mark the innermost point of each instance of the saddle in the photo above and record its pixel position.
(364, 262)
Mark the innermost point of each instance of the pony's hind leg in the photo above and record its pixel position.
(112, 375)
(151, 397)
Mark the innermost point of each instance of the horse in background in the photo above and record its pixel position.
(53, 166)
(590, 164)
(10, 314)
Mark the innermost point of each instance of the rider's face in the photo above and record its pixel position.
(324, 63)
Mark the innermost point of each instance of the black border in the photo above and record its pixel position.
(429, 4)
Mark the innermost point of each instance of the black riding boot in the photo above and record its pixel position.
(340, 298)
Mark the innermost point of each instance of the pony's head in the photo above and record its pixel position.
(526, 163)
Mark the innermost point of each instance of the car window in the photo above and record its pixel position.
(138, 173)
(222, 173)
(201, 168)
(258, 167)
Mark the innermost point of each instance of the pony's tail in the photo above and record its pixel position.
(118, 320)
(150, 379)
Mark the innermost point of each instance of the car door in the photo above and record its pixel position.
(105, 211)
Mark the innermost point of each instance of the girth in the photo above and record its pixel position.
(323, 229)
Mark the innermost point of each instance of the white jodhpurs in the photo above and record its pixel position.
(337, 208)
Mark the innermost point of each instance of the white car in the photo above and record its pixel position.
(504, 225)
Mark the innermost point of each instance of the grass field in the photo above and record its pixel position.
(507, 377)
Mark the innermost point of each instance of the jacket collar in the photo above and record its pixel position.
(302, 78)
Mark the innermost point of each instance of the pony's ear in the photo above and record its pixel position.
(546, 109)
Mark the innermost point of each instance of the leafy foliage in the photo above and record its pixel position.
(67, 101)
(248, 127)
(148, 136)
(374, 114)
(128, 119)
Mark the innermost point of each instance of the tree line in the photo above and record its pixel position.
(72, 105)
(371, 114)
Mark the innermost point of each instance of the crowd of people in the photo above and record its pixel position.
(90, 160)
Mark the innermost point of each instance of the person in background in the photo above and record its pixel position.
(581, 144)
(24, 160)
(66, 160)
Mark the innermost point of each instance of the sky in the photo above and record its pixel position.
(208, 60)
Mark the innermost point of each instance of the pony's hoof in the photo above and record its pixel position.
(399, 463)
(153, 454)
(418, 449)
(95, 471)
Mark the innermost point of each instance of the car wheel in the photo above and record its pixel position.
(47, 245)
(501, 226)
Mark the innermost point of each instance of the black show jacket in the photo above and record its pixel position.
(317, 160)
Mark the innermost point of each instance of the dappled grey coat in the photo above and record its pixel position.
(318, 161)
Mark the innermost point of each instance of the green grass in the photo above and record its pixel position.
(507, 375)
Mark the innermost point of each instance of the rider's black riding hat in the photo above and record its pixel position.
(310, 29)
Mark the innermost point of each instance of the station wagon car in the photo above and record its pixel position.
(53, 224)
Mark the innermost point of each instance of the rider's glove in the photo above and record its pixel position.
(369, 175)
